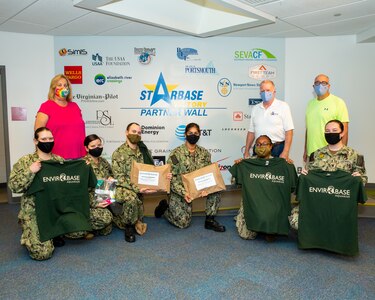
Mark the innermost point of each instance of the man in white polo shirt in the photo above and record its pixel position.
(271, 117)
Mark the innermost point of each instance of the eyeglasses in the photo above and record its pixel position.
(323, 83)
(262, 144)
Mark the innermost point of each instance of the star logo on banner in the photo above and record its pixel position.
(161, 90)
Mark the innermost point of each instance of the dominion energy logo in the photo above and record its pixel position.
(164, 99)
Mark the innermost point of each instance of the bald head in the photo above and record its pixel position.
(321, 77)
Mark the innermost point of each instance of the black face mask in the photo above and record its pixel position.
(96, 152)
(332, 138)
(45, 147)
(192, 139)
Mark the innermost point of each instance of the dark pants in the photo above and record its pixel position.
(277, 149)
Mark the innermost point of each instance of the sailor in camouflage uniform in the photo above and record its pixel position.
(20, 179)
(185, 159)
(127, 193)
(100, 217)
(334, 156)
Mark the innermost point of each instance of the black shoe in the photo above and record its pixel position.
(212, 224)
(130, 233)
(161, 208)
(58, 241)
(270, 238)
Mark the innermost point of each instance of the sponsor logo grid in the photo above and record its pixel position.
(122, 95)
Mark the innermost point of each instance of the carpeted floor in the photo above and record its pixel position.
(193, 263)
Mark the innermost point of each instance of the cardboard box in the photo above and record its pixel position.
(151, 177)
(207, 179)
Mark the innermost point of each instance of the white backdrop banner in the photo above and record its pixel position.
(163, 83)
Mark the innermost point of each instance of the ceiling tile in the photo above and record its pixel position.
(90, 24)
(287, 8)
(23, 27)
(278, 26)
(11, 8)
(345, 27)
(327, 16)
(51, 13)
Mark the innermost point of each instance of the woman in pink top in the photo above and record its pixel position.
(64, 118)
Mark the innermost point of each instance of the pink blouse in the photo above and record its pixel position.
(68, 128)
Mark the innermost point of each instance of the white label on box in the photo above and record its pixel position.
(148, 178)
(204, 181)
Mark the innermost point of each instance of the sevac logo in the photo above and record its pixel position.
(224, 87)
(170, 101)
(254, 54)
(261, 72)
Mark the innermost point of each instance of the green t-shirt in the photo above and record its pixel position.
(328, 211)
(62, 197)
(266, 190)
(318, 113)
